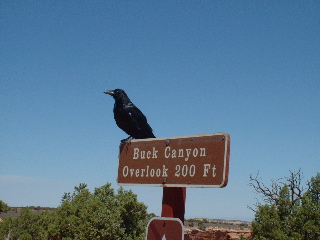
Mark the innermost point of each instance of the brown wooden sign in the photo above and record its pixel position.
(186, 161)
(165, 229)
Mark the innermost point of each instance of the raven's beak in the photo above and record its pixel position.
(110, 92)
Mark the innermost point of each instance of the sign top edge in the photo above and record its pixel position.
(184, 136)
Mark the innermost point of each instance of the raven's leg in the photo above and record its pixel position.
(126, 142)
(128, 139)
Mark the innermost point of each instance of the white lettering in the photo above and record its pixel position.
(135, 153)
(152, 172)
(192, 170)
(214, 171)
(145, 172)
(154, 152)
(174, 153)
(180, 153)
(206, 169)
(143, 154)
(188, 154)
(125, 171)
(184, 170)
(195, 152)
(165, 152)
(170, 153)
(164, 171)
(177, 174)
(202, 152)
(184, 153)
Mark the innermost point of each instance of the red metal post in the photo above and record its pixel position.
(173, 202)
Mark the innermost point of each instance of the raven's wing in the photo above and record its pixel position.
(138, 122)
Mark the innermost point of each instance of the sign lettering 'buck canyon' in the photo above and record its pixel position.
(187, 161)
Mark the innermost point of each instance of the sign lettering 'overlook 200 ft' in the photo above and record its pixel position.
(186, 161)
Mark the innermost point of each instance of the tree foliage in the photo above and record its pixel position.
(291, 211)
(4, 207)
(102, 214)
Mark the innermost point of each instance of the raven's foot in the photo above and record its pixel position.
(126, 143)
(127, 140)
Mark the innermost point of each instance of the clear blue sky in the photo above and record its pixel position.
(248, 68)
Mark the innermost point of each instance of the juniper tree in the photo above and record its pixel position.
(291, 210)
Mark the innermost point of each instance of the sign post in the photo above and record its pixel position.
(175, 163)
(174, 202)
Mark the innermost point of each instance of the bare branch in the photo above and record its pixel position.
(271, 195)
(294, 183)
(257, 204)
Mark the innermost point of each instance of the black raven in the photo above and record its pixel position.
(128, 117)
